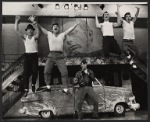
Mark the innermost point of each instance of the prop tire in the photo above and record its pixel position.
(46, 114)
(119, 110)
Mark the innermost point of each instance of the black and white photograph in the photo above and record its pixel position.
(74, 61)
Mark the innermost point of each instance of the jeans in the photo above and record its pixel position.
(110, 45)
(80, 98)
(56, 58)
(129, 45)
(30, 69)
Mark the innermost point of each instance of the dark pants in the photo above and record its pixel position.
(30, 69)
(58, 59)
(127, 46)
(81, 96)
(110, 45)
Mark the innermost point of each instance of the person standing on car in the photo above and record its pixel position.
(84, 78)
(31, 54)
(55, 41)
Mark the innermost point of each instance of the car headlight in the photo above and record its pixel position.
(132, 103)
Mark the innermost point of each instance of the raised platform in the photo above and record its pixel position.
(90, 60)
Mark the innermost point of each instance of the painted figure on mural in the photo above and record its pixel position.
(80, 40)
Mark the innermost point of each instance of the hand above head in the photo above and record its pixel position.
(31, 18)
(118, 5)
(137, 7)
(18, 18)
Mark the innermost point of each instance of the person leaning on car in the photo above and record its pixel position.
(84, 78)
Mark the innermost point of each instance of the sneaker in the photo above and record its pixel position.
(134, 66)
(129, 56)
(33, 88)
(48, 86)
(65, 90)
(131, 62)
(44, 88)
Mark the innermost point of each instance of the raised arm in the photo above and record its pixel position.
(119, 15)
(119, 18)
(136, 15)
(17, 28)
(71, 29)
(43, 29)
(38, 31)
(32, 19)
(98, 25)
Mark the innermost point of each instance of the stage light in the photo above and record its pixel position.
(85, 7)
(35, 6)
(66, 6)
(76, 7)
(102, 6)
(57, 6)
(41, 6)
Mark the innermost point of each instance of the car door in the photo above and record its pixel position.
(100, 91)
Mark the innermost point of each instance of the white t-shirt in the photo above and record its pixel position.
(55, 43)
(31, 45)
(128, 30)
(107, 28)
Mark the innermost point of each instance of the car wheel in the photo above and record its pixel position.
(119, 110)
(46, 114)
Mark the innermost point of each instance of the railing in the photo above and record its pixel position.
(13, 67)
(140, 71)
(11, 85)
(8, 59)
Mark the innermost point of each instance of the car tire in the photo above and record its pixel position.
(119, 110)
(46, 114)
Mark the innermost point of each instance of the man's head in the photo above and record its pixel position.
(127, 17)
(79, 41)
(30, 30)
(84, 64)
(55, 28)
(106, 16)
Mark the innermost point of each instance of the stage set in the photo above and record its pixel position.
(47, 47)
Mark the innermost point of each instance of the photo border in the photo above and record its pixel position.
(78, 1)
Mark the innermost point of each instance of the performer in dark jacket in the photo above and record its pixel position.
(84, 78)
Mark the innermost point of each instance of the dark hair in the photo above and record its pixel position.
(128, 13)
(29, 26)
(83, 61)
(104, 13)
(54, 24)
